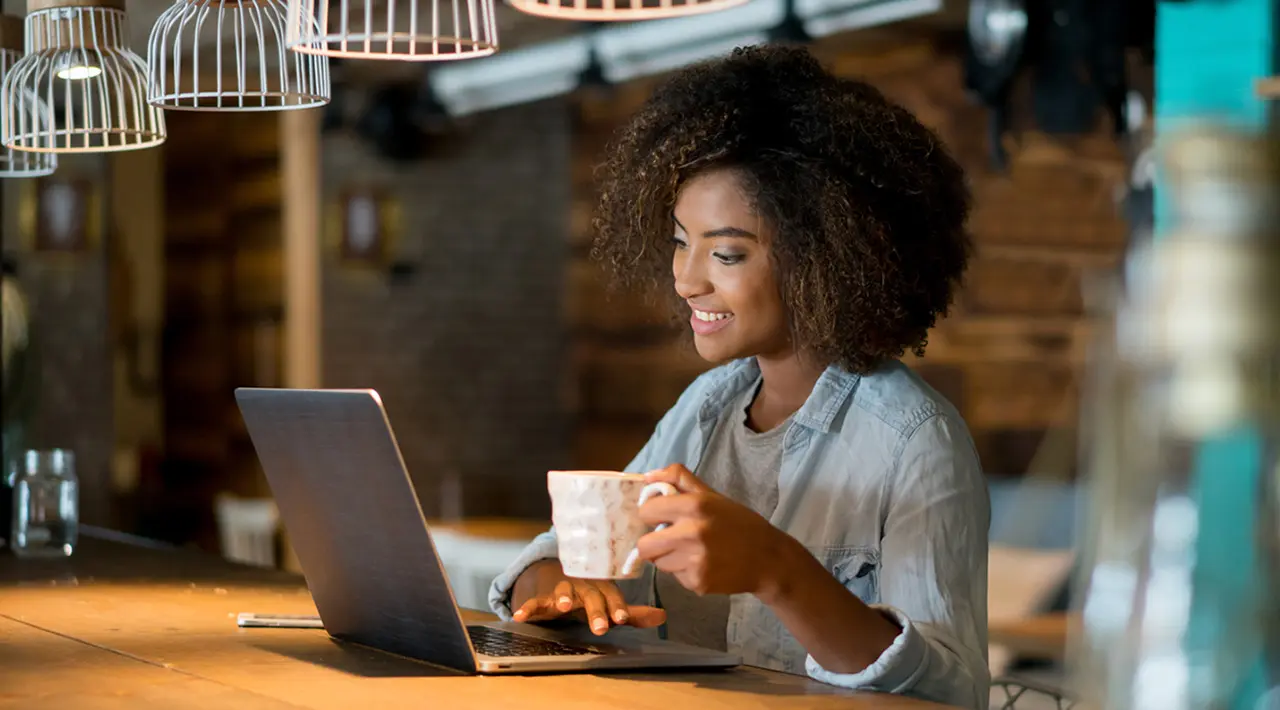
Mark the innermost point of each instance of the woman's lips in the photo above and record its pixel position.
(708, 322)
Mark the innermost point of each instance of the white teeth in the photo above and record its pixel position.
(705, 316)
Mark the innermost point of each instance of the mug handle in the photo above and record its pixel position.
(649, 491)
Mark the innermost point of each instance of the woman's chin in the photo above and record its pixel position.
(714, 353)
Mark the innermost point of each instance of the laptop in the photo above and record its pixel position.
(356, 524)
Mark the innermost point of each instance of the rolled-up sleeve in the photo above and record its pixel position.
(543, 547)
(933, 576)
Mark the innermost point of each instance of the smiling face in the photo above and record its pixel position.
(724, 273)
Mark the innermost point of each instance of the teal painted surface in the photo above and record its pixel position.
(1214, 23)
(1215, 83)
(1209, 53)
(1227, 477)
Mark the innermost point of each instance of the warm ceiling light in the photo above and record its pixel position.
(78, 89)
(408, 30)
(620, 10)
(230, 55)
(75, 66)
(18, 163)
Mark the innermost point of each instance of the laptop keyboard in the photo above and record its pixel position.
(496, 642)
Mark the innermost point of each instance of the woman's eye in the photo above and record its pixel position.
(680, 243)
(730, 259)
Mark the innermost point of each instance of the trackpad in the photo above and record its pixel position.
(619, 639)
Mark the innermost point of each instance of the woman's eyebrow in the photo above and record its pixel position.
(720, 231)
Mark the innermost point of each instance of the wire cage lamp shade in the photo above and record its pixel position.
(92, 90)
(620, 10)
(230, 55)
(18, 163)
(407, 30)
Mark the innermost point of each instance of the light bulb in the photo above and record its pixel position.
(79, 72)
(76, 66)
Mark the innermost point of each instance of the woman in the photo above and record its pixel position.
(834, 515)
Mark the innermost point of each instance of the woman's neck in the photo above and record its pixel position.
(787, 383)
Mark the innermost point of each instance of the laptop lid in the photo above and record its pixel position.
(354, 521)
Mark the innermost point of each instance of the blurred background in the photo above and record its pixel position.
(426, 234)
(453, 273)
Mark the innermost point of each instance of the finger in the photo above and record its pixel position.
(647, 617)
(563, 596)
(677, 562)
(594, 605)
(671, 509)
(678, 476)
(614, 602)
(524, 611)
(535, 609)
(656, 544)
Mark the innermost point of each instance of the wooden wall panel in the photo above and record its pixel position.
(1003, 395)
(1025, 287)
(223, 294)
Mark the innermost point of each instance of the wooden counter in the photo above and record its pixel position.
(126, 626)
(1041, 637)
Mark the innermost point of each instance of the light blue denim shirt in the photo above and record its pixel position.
(881, 482)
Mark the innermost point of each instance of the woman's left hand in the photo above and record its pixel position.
(712, 545)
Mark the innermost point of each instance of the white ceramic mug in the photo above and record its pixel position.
(597, 519)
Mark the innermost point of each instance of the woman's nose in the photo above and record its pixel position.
(690, 277)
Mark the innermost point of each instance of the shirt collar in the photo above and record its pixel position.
(830, 393)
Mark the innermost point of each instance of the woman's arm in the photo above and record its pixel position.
(717, 546)
(928, 633)
(933, 574)
(839, 631)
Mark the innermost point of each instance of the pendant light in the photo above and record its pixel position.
(92, 90)
(230, 55)
(620, 10)
(407, 30)
(18, 163)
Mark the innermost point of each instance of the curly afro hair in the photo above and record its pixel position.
(868, 209)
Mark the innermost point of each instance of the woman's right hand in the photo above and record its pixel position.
(543, 592)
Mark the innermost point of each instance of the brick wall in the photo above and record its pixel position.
(467, 350)
(69, 312)
(69, 302)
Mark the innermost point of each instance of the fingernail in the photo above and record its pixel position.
(518, 616)
(620, 616)
(565, 603)
(599, 625)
